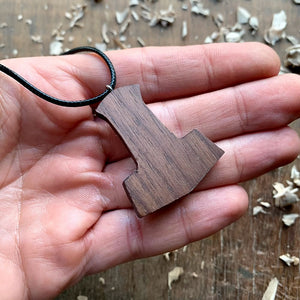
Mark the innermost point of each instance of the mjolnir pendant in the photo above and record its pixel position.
(168, 167)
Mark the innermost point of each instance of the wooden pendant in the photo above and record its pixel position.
(168, 167)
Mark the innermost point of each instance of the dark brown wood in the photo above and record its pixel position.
(168, 167)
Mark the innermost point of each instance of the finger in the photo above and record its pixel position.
(245, 157)
(162, 73)
(255, 106)
(193, 218)
(252, 155)
(165, 73)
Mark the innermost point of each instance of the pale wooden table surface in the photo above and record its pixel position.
(236, 263)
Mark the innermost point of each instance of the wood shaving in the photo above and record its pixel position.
(135, 15)
(56, 48)
(125, 26)
(15, 52)
(3, 25)
(283, 70)
(102, 280)
(141, 41)
(105, 33)
(289, 219)
(292, 39)
(78, 13)
(295, 176)
(265, 204)
(292, 60)
(258, 210)
(184, 30)
(121, 16)
(195, 275)
(82, 297)
(218, 20)
(174, 275)
(101, 46)
(284, 195)
(20, 17)
(184, 7)
(276, 31)
(289, 260)
(167, 256)
(198, 8)
(28, 22)
(234, 36)
(254, 25)
(133, 3)
(36, 39)
(243, 15)
(2, 46)
(164, 17)
(271, 290)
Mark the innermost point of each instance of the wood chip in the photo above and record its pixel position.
(135, 15)
(15, 52)
(102, 280)
(125, 26)
(28, 22)
(276, 31)
(198, 9)
(133, 3)
(289, 260)
(3, 25)
(271, 290)
(77, 15)
(56, 48)
(243, 15)
(140, 41)
(289, 219)
(184, 30)
(258, 210)
(293, 40)
(292, 60)
(101, 46)
(254, 25)
(121, 16)
(265, 204)
(284, 195)
(167, 256)
(174, 275)
(104, 33)
(36, 39)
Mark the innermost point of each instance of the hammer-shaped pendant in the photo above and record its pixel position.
(168, 167)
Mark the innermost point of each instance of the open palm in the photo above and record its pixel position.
(63, 210)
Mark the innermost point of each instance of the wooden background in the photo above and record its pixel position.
(239, 261)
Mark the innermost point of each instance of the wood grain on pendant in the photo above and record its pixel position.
(168, 167)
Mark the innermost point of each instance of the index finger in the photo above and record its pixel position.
(169, 72)
(163, 73)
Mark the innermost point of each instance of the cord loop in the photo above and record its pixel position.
(66, 103)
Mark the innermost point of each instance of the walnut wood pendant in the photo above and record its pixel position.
(168, 167)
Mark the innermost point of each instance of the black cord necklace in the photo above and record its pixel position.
(60, 102)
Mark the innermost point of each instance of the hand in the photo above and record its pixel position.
(63, 210)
